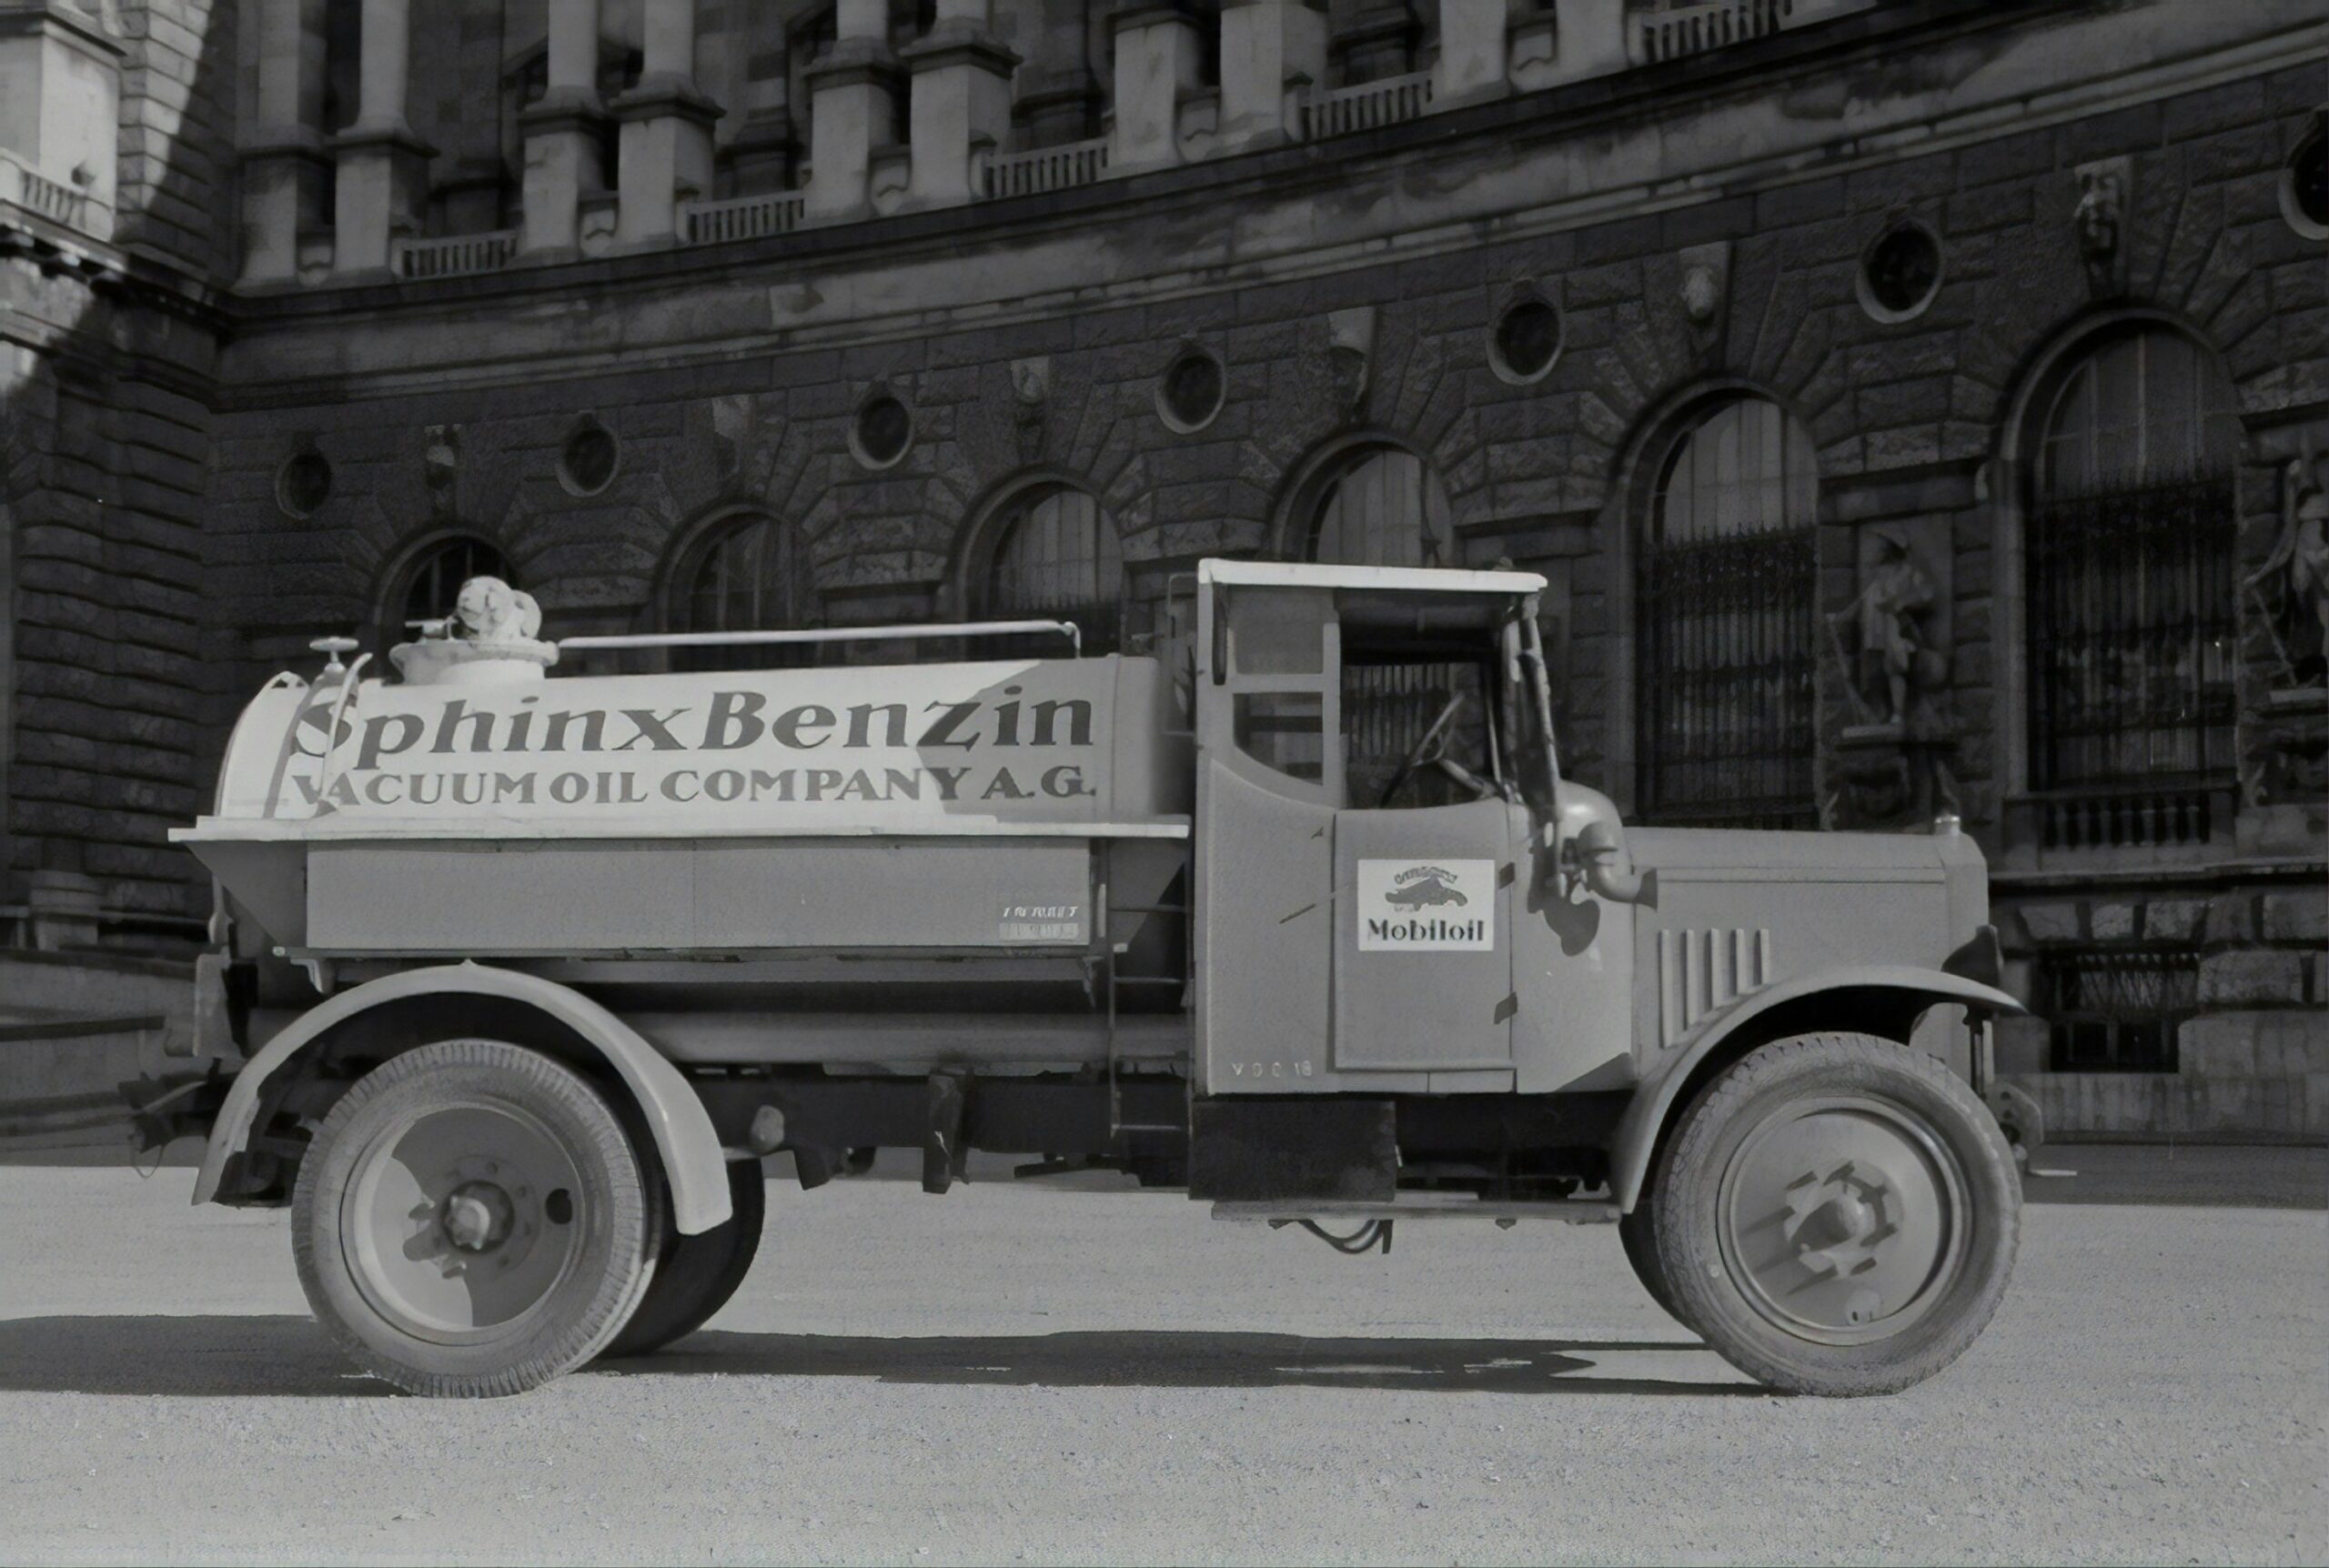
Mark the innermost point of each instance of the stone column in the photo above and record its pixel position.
(1157, 61)
(961, 102)
(1268, 47)
(383, 167)
(283, 157)
(561, 130)
(1472, 64)
(665, 146)
(852, 110)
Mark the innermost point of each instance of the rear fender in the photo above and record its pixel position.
(1896, 994)
(689, 1149)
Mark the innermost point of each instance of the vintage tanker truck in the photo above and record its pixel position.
(527, 972)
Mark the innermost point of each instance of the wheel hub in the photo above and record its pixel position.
(462, 1219)
(1843, 1220)
(477, 1216)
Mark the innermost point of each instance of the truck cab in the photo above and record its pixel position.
(522, 975)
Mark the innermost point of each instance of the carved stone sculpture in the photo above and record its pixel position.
(2297, 573)
(488, 640)
(2098, 221)
(1895, 661)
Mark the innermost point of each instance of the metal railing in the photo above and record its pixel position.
(1046, 169)
(454, 256)
(1367, 107)
(1066, 629)
(1655, 36)
(740, 218)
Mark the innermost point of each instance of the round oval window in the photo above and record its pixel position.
(1527, 339)
(884, 430)
(304, 484)
(588, 463)
(2304, 183)
(1192, 393)
(1901, 272)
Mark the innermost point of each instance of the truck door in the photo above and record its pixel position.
(1354, 894)
(1424, 860)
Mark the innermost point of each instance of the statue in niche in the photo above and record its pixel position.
(2299, 567)
(1895, 662)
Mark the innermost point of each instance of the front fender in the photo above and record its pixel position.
(684, 1139)
(1903, 984)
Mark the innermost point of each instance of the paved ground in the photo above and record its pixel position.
(1016, 1375)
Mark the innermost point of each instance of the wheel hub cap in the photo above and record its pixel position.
(460, 1221)
(1843, 1220)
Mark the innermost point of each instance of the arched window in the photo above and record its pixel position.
(1384, 510)
(2129, 616)
(432, 580)
(1724, 629)
(1056, 557)
(749, 574)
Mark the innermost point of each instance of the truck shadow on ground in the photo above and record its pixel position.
(213, 1357)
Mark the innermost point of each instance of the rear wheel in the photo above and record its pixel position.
(472, 1219)
(698, 1273)
(1837, 1214)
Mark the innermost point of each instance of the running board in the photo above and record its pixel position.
(1423, 1206)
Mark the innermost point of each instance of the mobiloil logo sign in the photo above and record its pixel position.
(1427, 906)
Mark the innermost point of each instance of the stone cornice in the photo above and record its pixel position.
(1490, 161)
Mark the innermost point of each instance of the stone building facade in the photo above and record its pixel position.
(1917, 406)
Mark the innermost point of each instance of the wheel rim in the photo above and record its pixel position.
(462, 1220)
(1843, 1218)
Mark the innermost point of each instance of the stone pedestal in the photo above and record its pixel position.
(382, 181)
(284, 173)
(663, 152)
(1889, 776)
(960, 100)
(1267, 46)
(1471, 68)
(852, 106)
(1589, 41)
(1157, 61)
(2285, 756)
(561, 133)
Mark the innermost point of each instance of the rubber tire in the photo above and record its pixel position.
(698, 1274)
(1636, 1231)
(1685, 1203)
(587, 1307)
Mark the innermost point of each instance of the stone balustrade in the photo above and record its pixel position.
(1368, 106)
(742, 217)
(1655, 36)
(1043, 170)
(455, 256)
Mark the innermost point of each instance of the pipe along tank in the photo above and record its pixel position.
(525, 975)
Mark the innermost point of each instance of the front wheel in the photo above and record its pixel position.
(1837, 1214)
(472, 1219)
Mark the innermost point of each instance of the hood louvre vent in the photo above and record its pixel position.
(1698, 971)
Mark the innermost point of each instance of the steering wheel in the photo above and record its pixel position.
(1432, 750)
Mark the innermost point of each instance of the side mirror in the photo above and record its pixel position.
(1590, 841)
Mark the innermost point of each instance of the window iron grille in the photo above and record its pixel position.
(2117, 1011)
(2131, 648)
